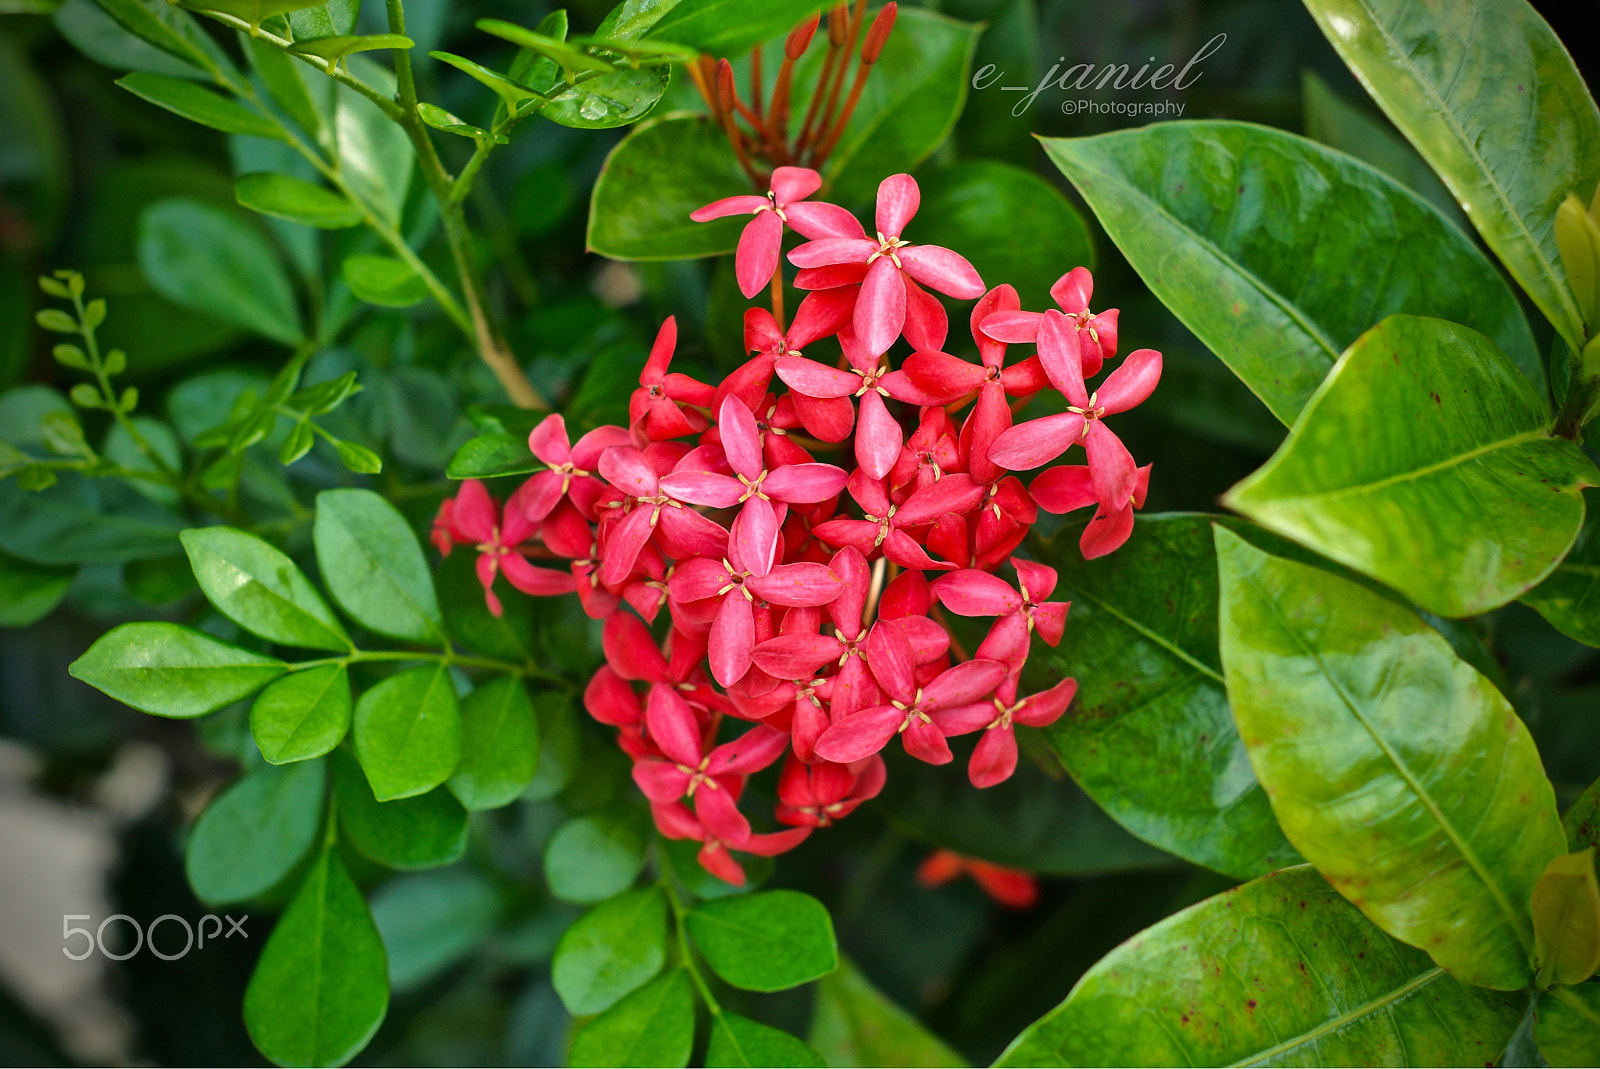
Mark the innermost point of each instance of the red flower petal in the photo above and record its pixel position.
(1036, 442)
(757, 256)
(1132, 382)
(860, 735)
(880, 311)
(898, 200)
(740, 205)
(941, 269)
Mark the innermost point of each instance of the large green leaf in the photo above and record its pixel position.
(499, 744)
(611, 950)
(321, 987)
(207, 259)
(198, 104)
(1277, 252)
(375, 155)
(1568, 1028)
(653, 179)
(296, 200)
(1489, 96)
(739, 1041)
(1390, 465)
(767, 941)
(652, 1026)
(419, 832)
(1149, 735)
(407, 732)
(854, 1024)
(730, 27)
(259, 588)
(302, 715)
(170, 29)
(254, 833)
(373, 566)
(1280, 971)
(1392, 765)
(1570, 596)
(168, 670)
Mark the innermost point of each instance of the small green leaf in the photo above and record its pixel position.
(490, 455)
(511, 92)
(384, 280)
(739, 1041)
(592, 857)
(611, 950)
(1568, 1027)
(419, 832)
(373, 565)
(28, 592)
(767, 941)
(321, 987)
(257, 586)
(167, 670)
(652, 1026)
(1388, 465)
(254, 833)
(499, 744)
(54, 319)
(854, 1024)
(304, 715)
(560, 52)
(407, 732)
(337, 48)
(358, 458)
(198, 104)
(1392, 765)
(296, 444)
(295, 200)
(439, 119)
(1566, 919)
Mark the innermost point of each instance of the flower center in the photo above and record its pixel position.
(887, 246)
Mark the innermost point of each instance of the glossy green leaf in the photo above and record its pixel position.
(490, 455)
(607, 101)
(1149, 734)
(652, 1026)
(168, 670)
(981, 206)
(739, 1041)
(430, 921)
(1280, 971)
(1568, 1027)
(303, 715)
(767, 941)
(566, 56)
(198, 104)
(611, 950)
(1566, 919)
(440, 119)
(207, 259)
(339, 47)
(1491, 99)
(385, 281)
(253, 834)
(1392, 765)
(592, 857)
(855, 1024)
(373, 566)
(499, 744)
(320, 989)
(407, 732)
(295, 200)
(653, 179)
(1278, 253)
(511, 92)
(1388, 466)
(418, 832)
(1570, 596)
(29, 592)
(258, 587)
(255, 12)
(169, 28)
(731, 27)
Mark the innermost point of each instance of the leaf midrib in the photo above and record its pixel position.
(1398, 478)
(1347, 1018)
(1154, 636)
(379, 569)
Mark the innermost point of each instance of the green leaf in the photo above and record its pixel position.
(593, 857)
(1581, 821)
(1566, 919)
(611, 950)
(767, 941)
(1570, 596)
(295, 200)
(430, 921)
(1568, 1027)
(255, 12)
(303, 715)
(384, 280)
(29, 592)
(491, 455)
(652, 1026)
(1387, 468)
(1278, 253)
(358, 458)
(206, 259)
(72, 523)
(658, 174)
(375, 154)
(198, 104)
(170, 29)
(609, 100)
(338, 47)
(407, 732)
(1392, 765)
(1149, 734)
(499, 745)
(511, 92)
(556, 50)
(167, 670)
(373, 565)
(739, 1041)
(121, 448)
(440, 119)
(981, 206)
(99, 36)
(254, 833)
(257, 586)
(508, 636)
(1280, 971)
(731, 27)
(854, 1024)
(321, 987)
(1484, 91)
(419, 832)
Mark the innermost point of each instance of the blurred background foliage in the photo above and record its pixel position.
(95, 799)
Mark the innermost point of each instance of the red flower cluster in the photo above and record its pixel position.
(805, 598)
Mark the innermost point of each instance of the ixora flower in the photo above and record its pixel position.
(805, 599)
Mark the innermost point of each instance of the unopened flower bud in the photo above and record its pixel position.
(724, 85)
(800, 37)
(878, 32)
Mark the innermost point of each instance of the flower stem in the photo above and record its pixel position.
(685, 951)
(777, 298)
